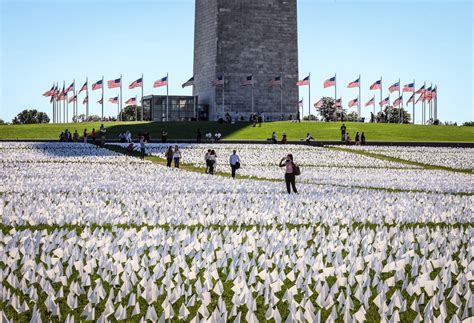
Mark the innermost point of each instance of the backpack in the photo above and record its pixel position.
(297, 169)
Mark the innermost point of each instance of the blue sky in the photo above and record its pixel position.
(43, 41)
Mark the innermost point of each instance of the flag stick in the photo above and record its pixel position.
(381, 95)
(223, 91)
(281, 93)
(414, 90)
(120, 102)
(309, 96)
(87, 95)
(360, 99)
(103, 85)
(253, 107)
(167, 98)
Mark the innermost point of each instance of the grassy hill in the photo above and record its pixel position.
(245, 131)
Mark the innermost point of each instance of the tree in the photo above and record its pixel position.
(392, 115)
(128, 113)
(1, 121)
(329, 113)
(352, 117)
(30, 117)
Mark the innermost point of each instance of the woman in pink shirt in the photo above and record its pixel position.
(290, 173)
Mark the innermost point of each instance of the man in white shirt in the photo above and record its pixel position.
(234, 162)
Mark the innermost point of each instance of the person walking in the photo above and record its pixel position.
(169, 156)
(142, 147)
(212, 161)
(291, 171)
(176, 156)
(234, 162)
(206, 159)
(357, 139)
(362, 139)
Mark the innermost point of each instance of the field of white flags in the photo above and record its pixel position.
(88, 234)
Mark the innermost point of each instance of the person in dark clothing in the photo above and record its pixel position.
(169, 156)
(357, 139)
(164, 136)
(94, 135)
(198, 136)
(290, 173)
(362, 139)
(212, 161)
(343, 132)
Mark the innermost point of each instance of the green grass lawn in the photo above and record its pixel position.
(245, 131)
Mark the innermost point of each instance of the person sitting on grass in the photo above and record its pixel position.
(75, 137)
(284, 139)
(273, 139)
(218, 136)
(348, 139)
(357, 139)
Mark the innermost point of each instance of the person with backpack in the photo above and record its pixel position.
(169, 156)
(234, 162)
(176, 156)
(291, 171)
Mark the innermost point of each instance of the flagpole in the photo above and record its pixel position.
(65, 103)
(374, 107)
(223, 94)
(281, 94)
(167, 97)
(143, 84)
(381, 94)
(103, 97)
(401, 103)
(87, 95)
(309, 96)
(360, 98)
(120, 102)
(252, 97)
(74, 102)
(335, 92)
(414, 90)
(436, 102)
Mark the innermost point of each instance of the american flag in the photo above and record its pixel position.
(131, 101)
(428, 94)
(62, 95)
(377, 85)
(319, 104)
(114, 100)
(247, 81)
(353, 103)
(218, 81)
(275, 82)
(338, 103)
(86, 100)
(97, 85)
(100, 101)
(356, 83)
(371, 102)
(72, 99)
(112, 84)
(421, 98)
(137, 83)
(397, 102)
(330, 82)
(394, 87)
(83, 88)
(190, 82)
(161, 82)
(50, 92)
(410, 87)
(384, 101)
(304, 81)
(421, 90)
(411, 99)
(70, 88)
(300, 103)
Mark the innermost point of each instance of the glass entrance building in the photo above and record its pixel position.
(172, 108)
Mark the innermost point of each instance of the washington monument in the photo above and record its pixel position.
(235, 39)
